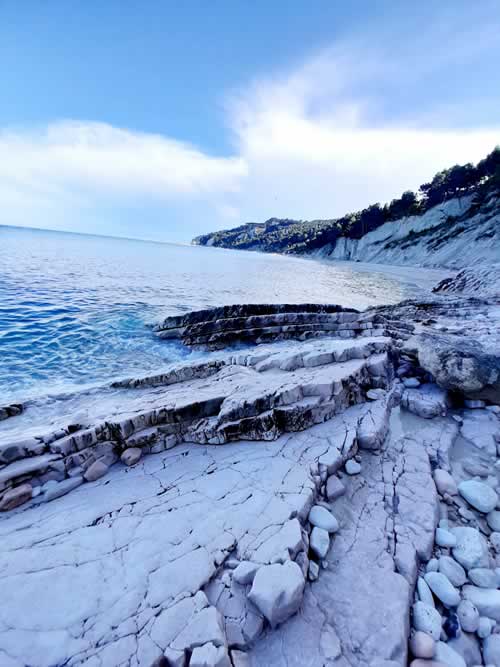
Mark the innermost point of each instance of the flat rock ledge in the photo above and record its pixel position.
(349, 519)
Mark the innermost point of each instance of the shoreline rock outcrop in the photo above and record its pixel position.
(295, 502)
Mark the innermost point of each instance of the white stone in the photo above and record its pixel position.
(352, 467)
(468, 615)
(424, 592)
(491, 650)
(453, 570)
(483, 577)
(422, 645)
(209, 655)
(411, 383)
(432, 565)
(322, 518)
(487, 600)
(445, 482)
(479, 495)
(334, 488)
(444, 538)
(131, 456)
(277, 591)
(427, 619)
(443, 589)
(95, 471)
(319, 542)
(245, 572)
(485, 627)
(313, 570)
(471, 550)
(493, 519)
(448, 656)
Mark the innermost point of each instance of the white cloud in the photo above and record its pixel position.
(308, 143)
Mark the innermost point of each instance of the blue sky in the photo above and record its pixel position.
(164, 120)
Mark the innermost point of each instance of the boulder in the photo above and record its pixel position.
(493, 520)
(277, 591)
(319, 516)
(461, 365)
(479, 495)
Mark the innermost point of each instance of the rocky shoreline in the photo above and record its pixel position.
(322, 492)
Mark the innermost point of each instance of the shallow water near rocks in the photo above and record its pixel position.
(74, 309)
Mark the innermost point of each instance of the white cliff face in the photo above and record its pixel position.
(443, 236)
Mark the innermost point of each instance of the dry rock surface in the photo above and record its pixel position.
(322, 497)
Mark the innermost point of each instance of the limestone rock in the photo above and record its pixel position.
(131, 456)
(15, 497)
(352, 467)
(449, 656)
(334, 488)
(95, 471)
(319, 516)
(422, 645)
(277, 591)
(471, 550)
(468, 615)
(427, 619)
(491, 650)
(209, 655)
(453, 570)
(493, 519)
(444, 538)
(245, 572)
(483, 577)
(487, 600)
(443, 589)
(445, 482)
(478, 494)
(320, 542)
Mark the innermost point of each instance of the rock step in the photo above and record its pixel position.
(257, 400)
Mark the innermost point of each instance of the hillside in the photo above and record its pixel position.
(451, 221)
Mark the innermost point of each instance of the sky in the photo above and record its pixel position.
(163, 120)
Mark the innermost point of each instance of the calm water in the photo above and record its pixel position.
(74, 309)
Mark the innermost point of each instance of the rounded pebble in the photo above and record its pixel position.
(468, 616)
(422, 645)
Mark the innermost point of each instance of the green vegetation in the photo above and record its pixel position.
(299, 236)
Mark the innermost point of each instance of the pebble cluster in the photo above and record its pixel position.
(456, 613)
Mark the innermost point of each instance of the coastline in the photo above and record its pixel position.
(344, 425)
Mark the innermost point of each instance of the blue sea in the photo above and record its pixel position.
(76, 310)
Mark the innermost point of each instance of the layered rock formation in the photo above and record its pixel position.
(295, 502)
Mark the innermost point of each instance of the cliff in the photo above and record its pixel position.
(451, 222)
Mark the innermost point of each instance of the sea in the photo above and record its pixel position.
(77, 311)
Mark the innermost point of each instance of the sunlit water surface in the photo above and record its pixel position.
(75, 310)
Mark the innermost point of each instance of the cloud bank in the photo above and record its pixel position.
(314, 142)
